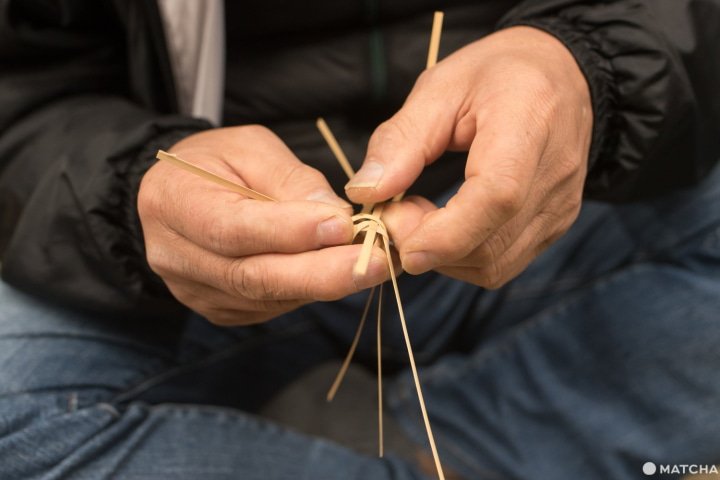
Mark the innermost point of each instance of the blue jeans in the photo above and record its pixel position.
(602, 355)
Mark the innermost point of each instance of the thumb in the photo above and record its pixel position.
(402, 146)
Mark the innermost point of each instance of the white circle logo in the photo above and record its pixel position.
(649, 468)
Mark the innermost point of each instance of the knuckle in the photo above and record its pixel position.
(543, 84)
(427, 77)
(179, 293)
(307, 288)
(540, 85)
(148, 202)
(446, 248)
(489, 252)
(299, 174)
(216, 236)
(400, 133)
(257, 130)
(495, 283)
(389, 131)
(187, 297)
(288, 176)
(311, 174)
(250, 280)
(547, 106)
(220, 317)
(223, 235)
(159, 262)
(395, 131)
(246, 232)
(216, 318)
(238, 278)
(507, 196)
(492, 277)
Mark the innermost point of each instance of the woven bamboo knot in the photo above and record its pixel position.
(368, 222)
(362, 222)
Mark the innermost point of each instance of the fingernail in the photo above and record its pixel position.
(334, 231)
(376, 273)
(367, 177)
(329, 198)
(417, 262)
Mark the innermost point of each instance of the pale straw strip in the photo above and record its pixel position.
(201, 172)
(411, 357)
(381, 446)
(434, 47)
(335, 147)
(432, 57)
(332, 142)
(378, 228)
(372, 225)
(363, 260)
(348, 358)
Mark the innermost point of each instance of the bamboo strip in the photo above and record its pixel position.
(432, 58)
(411, 356)
(370, 222)
(378, 341)
(434, 47)
(335, 147)
(363, 260)
(235, 187)
(366, 223)
(353, 346)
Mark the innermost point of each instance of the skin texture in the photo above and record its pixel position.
(239, 261)
(515, 100)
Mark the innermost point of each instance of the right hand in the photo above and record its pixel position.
(239, 261)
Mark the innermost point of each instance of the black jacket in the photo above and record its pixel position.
(87, 97)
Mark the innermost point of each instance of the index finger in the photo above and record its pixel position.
(501, 166)
(233, 226)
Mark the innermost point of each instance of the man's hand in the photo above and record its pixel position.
(518, 102)
(237, 260)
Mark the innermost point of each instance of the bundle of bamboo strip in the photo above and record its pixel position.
(368, 222)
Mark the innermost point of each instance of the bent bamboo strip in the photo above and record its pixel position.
(370, 222)
(365, 222)
(351, 352)
(411, 356)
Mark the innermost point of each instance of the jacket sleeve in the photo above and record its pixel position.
(79, 126)
(653, 71)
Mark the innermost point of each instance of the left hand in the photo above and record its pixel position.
(519, 104)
